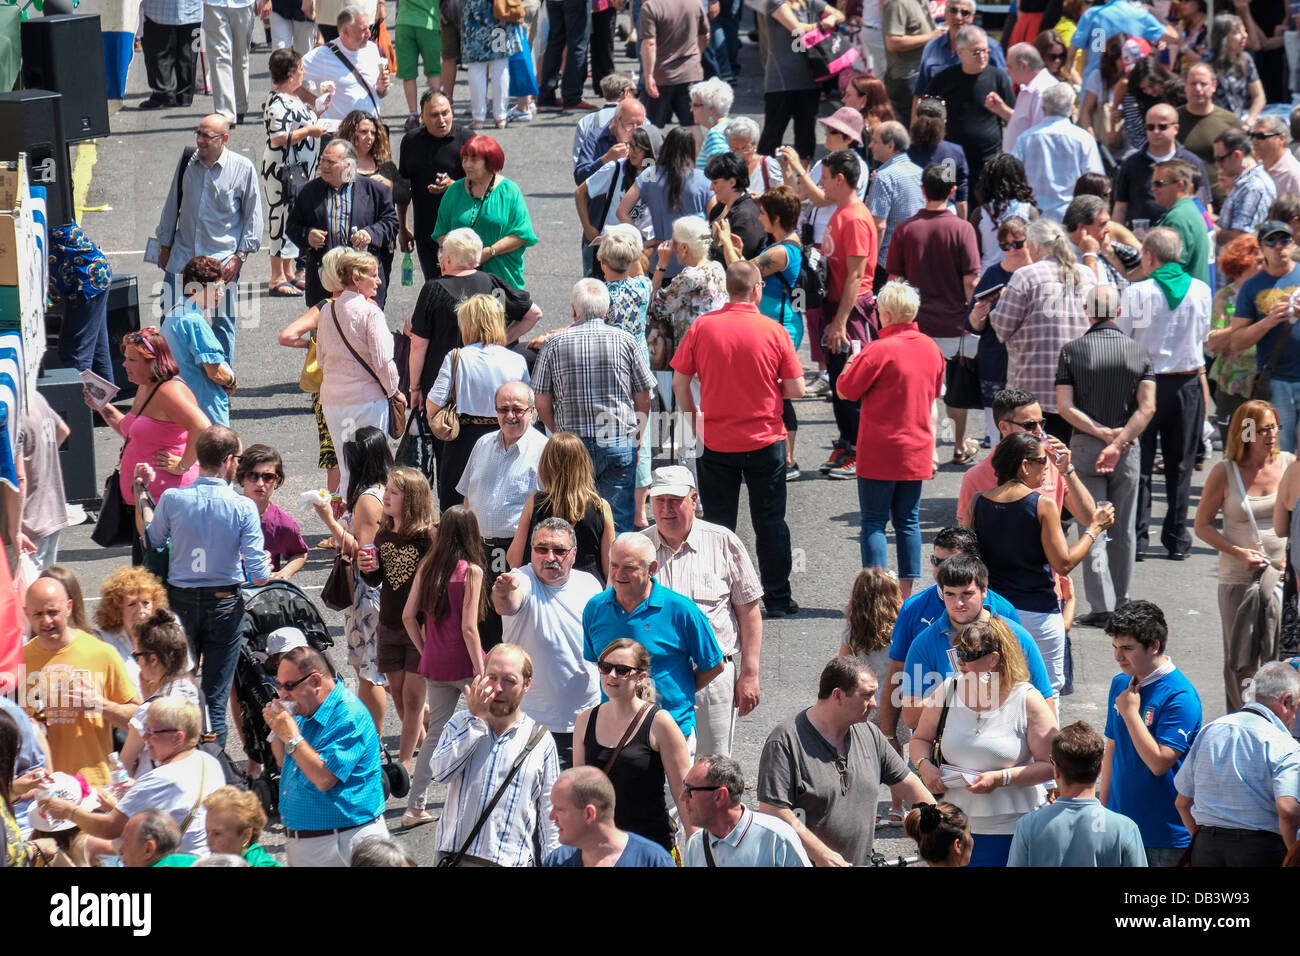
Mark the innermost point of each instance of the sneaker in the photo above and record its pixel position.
(837, 456)
(792, 472)
(821, 385)
(847, 469)
(411, 123)
(516, 115)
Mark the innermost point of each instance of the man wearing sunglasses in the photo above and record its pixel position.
(1265, 315)
(541, 609)
(1271, 139)
(1252, 188)
(331, 794)
(1132, 195)
(1172, 185)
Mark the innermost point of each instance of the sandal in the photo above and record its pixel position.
(300, 281)
(896, 816)
(966, 453)
(285, 289)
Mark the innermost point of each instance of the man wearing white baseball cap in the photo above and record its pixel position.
(708, 564)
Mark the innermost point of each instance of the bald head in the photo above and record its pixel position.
(744, 282)
(217, 121)
(48, 609)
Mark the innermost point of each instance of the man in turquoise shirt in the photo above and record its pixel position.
(1076, 830)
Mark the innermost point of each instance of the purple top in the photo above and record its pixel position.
(445, 656)
(280, 532)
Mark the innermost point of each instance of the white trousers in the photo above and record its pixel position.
(343, 422)
(1048, 631)
(715, 713)
(498, 73)
(285, 34)
(333, 850)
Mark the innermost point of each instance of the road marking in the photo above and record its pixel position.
(87, 155)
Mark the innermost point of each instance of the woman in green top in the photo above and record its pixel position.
(234, 822)
(492, 206)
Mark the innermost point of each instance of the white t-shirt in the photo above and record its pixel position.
(598, 184)
(322, 65)
(174, 788)
(549, 627)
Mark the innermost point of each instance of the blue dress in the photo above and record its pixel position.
(776, 302)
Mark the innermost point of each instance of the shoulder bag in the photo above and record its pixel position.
(936, 748)
(445, 423)
(291, 176)
(310, 378)
(1257, 623)
(1262, 390)
(459, 856)
(508, 11)
(352, 68)
(396, 401)
(336, 593)
(116, 522)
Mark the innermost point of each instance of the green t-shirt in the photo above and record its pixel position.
(177, 859)
(256, 855)
(1185, 219)
(502, 212)
(418, 13)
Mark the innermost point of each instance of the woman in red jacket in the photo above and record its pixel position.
(898, 377)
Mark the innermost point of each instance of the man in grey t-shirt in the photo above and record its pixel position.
(821, 771)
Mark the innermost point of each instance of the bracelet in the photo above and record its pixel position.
(1087, 254)
(1006, 778)
(891, 737)
(1067, 474)
(1089, 533)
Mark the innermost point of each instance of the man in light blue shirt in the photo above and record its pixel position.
(735, 835)
(214, 210)
(1239, 788)
(216, 547)
(1056, 152)
(1098, 24)
(1076, 830)
(896, 189)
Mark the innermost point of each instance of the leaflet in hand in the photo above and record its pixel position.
(101, 390)
(955, 777)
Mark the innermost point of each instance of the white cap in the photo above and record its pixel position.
(284, 639)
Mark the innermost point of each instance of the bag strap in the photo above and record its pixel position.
(1245, 502)
(767, 179)
(637, 720)
(203, 776)
(538, 732)
(187, 154)
(1276, 355)
(708, 849)
(360, 361)
(334, 48)
(451, 389)
(937, 748)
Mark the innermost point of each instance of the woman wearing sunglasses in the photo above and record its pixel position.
(635, 742)
(998, 730)
(1022, 542)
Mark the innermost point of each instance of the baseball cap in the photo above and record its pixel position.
(284, 639)
(1272, 228)
(675, 480)
(845, 120)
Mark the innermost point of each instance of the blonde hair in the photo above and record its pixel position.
(1237, 446)
(329, 270)
(463, 247)
(995, 635)
(566, 476)
(243, 805)
(481, 318)
(418, 513)
(900, 299)
(354, 263)
(177, 713)
(694, 233)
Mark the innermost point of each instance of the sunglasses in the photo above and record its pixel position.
(935, 560)
(1055, 57)
(1264, 135)
(546, 549)
(1161, 183)
(1277, 242)
(293, 684)
(1159, 126)
(688, 789)
(1222, 159)
(618, 670)
(138, 656)
(153, 733)
(1011, 244)
(1040, 460)
(1032, 425)
(257, 477)
(970, 657)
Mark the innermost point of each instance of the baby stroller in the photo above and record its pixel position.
(274, 605)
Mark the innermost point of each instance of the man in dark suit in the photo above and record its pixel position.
(341, 208)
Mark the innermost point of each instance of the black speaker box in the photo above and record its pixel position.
(62, 389)
(123, 317)
(31, 122)
(65, 54)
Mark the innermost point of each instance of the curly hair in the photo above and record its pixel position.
(873, 607)
(1239, 256)
(122, 585)
(382, 151)
(1002, 181)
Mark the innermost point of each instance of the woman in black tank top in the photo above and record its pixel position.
(568, 492)
(654, 748)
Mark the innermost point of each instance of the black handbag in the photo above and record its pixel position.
(962, 381)
(336, 593)
(291, 176)
(828, 54)
(415, 450)
(116, 522)
(1262, 390)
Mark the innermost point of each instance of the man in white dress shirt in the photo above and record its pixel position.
(542, 604)
(1031, 79)
(708, 564)
(352, 63)
(1056, 152)
(499, 479)
(1169, 315)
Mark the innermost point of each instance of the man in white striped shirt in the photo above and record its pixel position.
(475, 756)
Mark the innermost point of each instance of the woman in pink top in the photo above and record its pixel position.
(448, 590)
(355, 387)
(163, 425)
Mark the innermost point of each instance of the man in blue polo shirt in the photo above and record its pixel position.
(684, 654)
(920, 611)
(964, 583)
(1153, 714)
(331, 794)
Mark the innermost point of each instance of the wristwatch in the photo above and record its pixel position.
(292, 745)
(241, 256)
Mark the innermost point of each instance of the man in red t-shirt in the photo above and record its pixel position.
(851, 247)
(747, 368)
(938, 253)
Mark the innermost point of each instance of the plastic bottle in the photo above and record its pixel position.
(117, 775)
(408, 270)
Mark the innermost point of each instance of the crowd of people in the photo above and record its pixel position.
(1086, 230)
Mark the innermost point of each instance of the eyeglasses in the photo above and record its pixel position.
(547, 549)
(1266, 429)
(1264, 135)
(292, 684)
(207, 137)
(1159, 126)
(688, 789)
(1161, 183)
(257, 477)
(1011, 244)
(618, 670)
(983, 52)
(970, 657)
(153, 733)
(1032, 425)
(1277, 242)
(512, 409)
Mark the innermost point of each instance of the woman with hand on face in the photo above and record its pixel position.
(998, 731)
(700, 286)
(163, 655)
(655, 746)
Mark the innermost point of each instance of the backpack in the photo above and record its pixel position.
(814, 274)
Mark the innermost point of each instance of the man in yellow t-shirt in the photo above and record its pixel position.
(78, 683)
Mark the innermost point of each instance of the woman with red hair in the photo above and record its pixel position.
(493, 206)
(1233, 373)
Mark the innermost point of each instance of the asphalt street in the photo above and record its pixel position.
(131, 171)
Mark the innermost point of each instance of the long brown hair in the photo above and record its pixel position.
(645, 687)
(418, 516)
(565, 474)
(872, 610)
(458, 540)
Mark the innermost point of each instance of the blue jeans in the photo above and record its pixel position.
(763, 472)
(223, 319)
(724, 39)
(570, 21)
(899, 501)
(83, 339)
(613, 464)
(1286, 399)
(215, 627)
